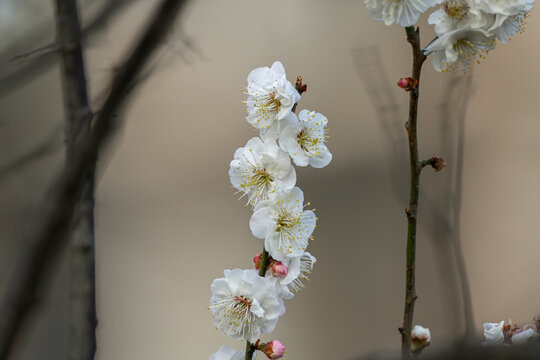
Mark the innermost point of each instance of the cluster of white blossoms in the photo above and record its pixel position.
(511, 334)
(245, 305)
(466, 29)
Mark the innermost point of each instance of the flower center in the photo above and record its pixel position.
(233, 315)
(286, 221)
(456, 9)
(306, 141)
(242, 302)
(261, 178)
(272, 103)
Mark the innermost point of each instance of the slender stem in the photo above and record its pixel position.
(82, 304)
(413, 37)
(265, 261)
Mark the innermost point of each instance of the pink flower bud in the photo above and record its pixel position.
(273, 349)
(279, 270)
(407, 84)
(257, 261)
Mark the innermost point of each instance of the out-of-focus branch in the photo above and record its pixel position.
(23, 67)
(49, 233)
(82, 287)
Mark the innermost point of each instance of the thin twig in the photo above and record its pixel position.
(82, 304)
(49, 234)
(265, 261)
(413, 37)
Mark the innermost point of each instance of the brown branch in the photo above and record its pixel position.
(413, 37)
(82, 287)
(47, 237)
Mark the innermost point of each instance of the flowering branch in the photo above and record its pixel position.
(413, 37)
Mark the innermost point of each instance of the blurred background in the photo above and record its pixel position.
(168, 222)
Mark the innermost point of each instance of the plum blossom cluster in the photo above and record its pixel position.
(248, 303)
(511, 334)
(466, 29)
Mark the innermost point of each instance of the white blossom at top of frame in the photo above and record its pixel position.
(402, 12)
(459, 46)
(244, 305)
(505, 7)
(459, 14)
(524, 336)
(493, 333)
(303, 137)
(283, 224)
(270, 96)
(261, 168)
(229, 353)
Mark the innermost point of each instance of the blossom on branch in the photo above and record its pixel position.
(402, 12)
(270, 96)
(260, 169)
(283, 224)
(244, 305)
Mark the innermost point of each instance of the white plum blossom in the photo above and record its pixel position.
(459, 46)
(260, 169)
(244, 305)
(283, 224)
(229, 353)
(402, 12)
(493, 333)
(505, 7)
(459, 14)
(420, 336)
(270, 96)
(303, 137)
(524, 336)
(299, 269)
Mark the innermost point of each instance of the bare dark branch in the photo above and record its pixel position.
(49, 233)
(82, 304)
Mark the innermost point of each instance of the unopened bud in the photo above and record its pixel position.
(257, 261)
(407, 84)
(301, 88)
(273, 349)
(420, 337)
(279, 270)
(437, 163)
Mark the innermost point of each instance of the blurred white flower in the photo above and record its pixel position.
(460, 46)
(283, 224)
(229, 353)
(493, 333)
(402, 12)
(270, 96)
(523, 336)
(303, 137)
(420, 337)
(261, 168)
(244, 305)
